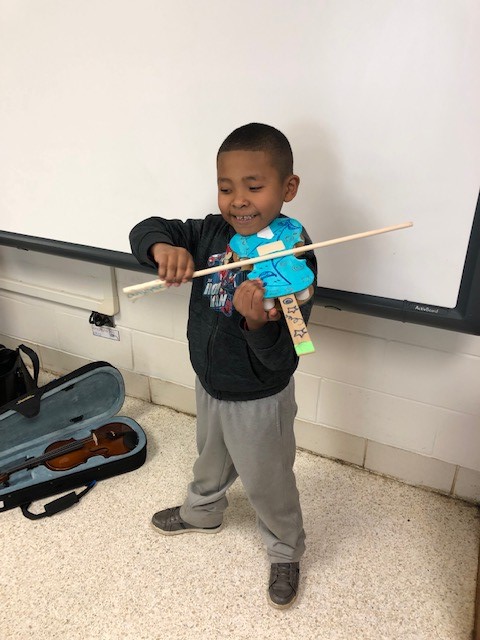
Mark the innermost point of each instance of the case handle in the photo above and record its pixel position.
(60, 504)
(31, 383)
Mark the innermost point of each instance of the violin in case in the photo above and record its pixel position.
(66, 435)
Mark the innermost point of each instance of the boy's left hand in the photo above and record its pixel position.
(248, 301)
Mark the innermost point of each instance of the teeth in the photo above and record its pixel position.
(244, 217)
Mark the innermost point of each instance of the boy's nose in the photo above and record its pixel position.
(240, 201)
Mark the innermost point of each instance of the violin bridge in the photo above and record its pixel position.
(296, 325)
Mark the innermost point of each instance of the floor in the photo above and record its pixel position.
(384, 561)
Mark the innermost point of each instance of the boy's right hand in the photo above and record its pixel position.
(175, 264)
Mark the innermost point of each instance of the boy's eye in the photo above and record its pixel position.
(255, 188)
(224, 190)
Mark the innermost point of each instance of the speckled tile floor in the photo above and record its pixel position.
(384, 561)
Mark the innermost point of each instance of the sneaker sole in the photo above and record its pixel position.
(180, 531)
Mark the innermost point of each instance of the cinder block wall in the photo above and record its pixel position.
(398, 399)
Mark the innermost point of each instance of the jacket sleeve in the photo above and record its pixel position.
(153, 230)
(272, 344)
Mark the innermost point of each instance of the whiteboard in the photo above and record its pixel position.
(112, 111)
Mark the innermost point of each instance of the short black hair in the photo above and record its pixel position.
(262, 137)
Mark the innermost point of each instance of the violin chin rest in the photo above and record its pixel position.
(130, 440)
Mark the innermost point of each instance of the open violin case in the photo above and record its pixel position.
(66, 435)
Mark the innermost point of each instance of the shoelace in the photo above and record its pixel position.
(286, 566)
(285, 570)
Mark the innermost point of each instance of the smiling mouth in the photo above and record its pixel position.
(245, 218)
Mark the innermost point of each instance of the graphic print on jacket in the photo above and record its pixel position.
(220, 287)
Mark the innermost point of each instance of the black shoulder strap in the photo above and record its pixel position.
(60, 504)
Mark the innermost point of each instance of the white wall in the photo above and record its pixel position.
(402, 400)
(114, 110)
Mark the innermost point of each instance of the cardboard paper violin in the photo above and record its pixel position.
(288, 281)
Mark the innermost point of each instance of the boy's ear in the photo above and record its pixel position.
(291, 187)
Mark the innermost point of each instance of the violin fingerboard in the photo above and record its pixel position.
(296, 325)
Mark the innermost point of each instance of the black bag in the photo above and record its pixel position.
(42, 432)
(15, 379)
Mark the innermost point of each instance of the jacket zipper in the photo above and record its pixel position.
(210, 351)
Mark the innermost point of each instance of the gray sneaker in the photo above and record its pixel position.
(283, 584)
(169, 523)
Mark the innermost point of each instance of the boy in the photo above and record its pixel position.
(242, 354)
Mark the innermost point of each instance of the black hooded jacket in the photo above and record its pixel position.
(231, 362)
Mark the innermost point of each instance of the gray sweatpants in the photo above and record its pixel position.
(253, 440)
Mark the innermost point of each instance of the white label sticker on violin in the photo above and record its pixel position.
(263, 249)
(106, 332)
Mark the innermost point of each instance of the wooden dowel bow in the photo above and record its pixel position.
(154, 286)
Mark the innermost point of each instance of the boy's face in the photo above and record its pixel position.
(250, 190)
